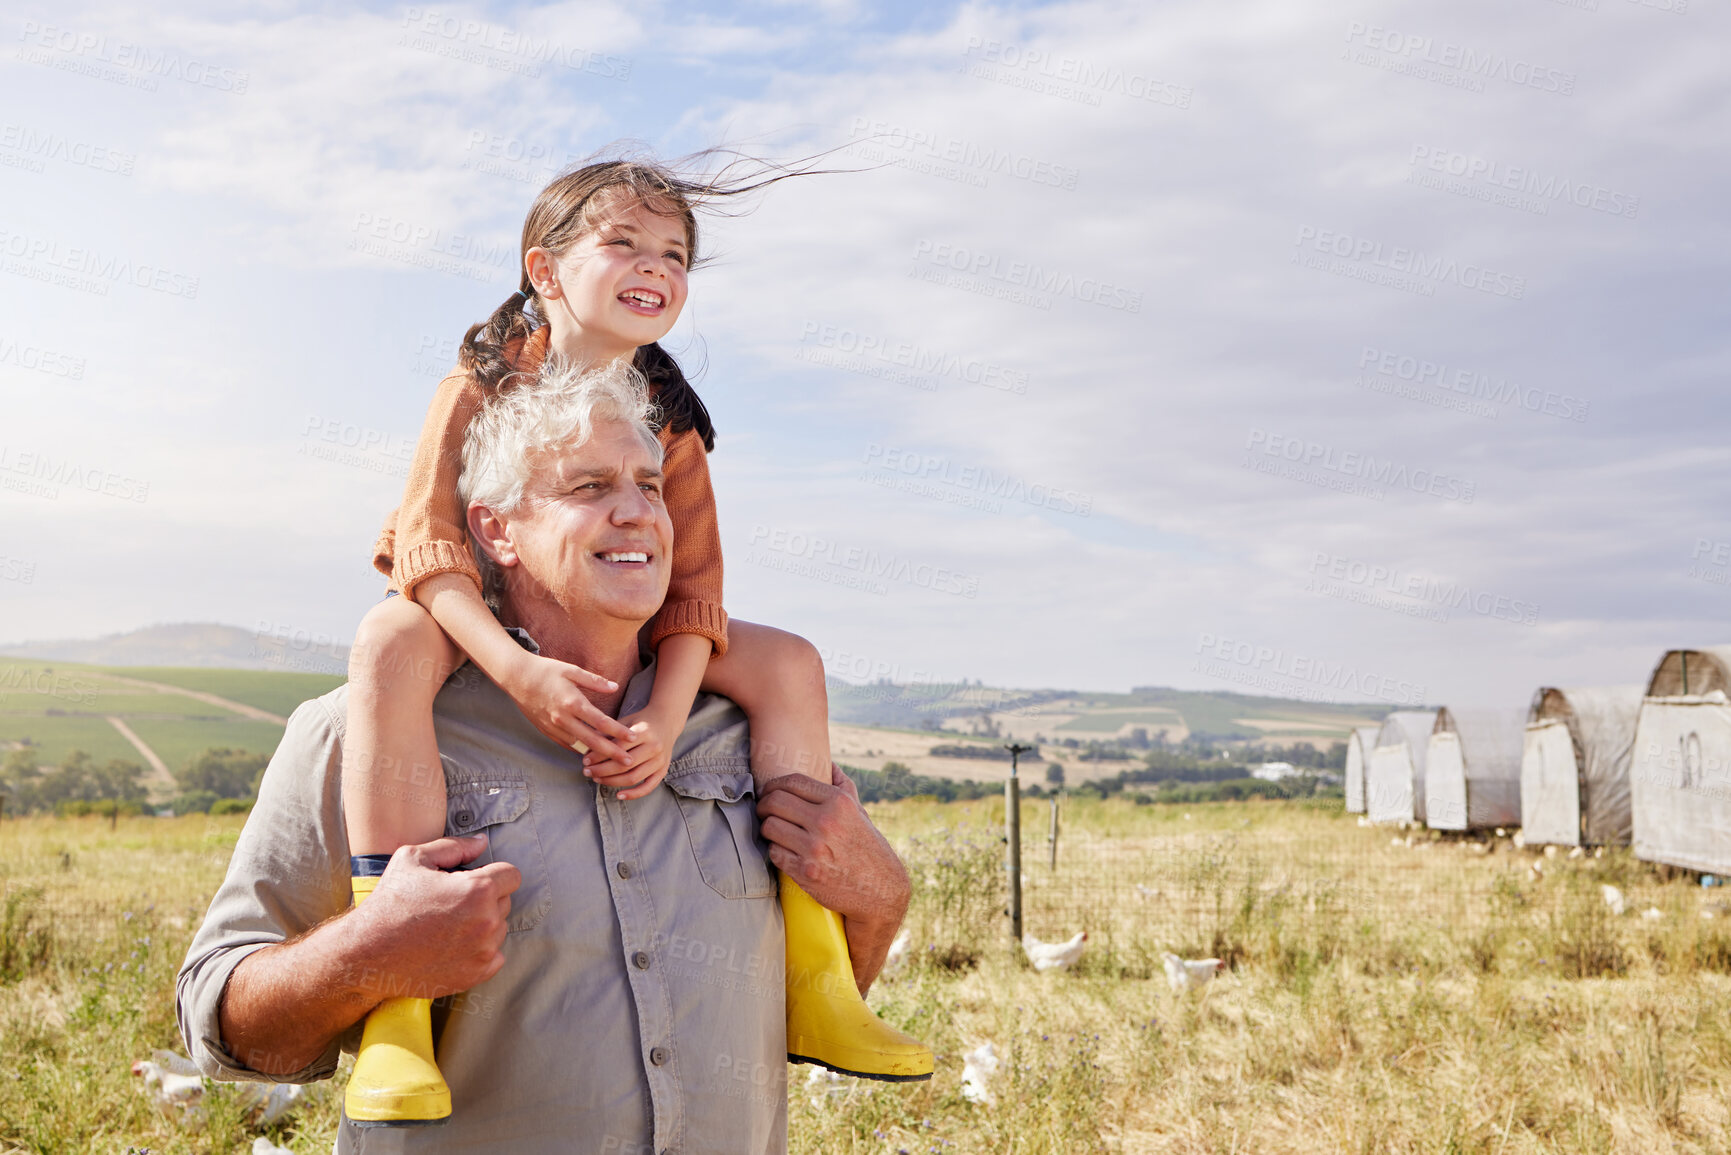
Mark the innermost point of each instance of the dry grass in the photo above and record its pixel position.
(1430, 998)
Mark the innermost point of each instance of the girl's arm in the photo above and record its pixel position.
(549, 692)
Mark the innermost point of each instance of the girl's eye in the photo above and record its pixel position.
(678, 257)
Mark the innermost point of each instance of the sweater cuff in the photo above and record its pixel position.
(385, 551)
(430, 559)
(707, 619)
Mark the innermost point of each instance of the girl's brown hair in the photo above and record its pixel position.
(565, 211)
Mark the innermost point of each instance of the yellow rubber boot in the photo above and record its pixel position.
(828, 1023)
(396, 1081)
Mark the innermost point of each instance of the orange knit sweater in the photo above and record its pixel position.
(427, 534)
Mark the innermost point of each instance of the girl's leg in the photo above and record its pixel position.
(393, 783)
(777, 679)
(394, 795)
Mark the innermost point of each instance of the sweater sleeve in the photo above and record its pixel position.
(430, 535)
(693, 604)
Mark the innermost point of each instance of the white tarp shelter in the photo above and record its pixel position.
(1359, 744)
(1575, 765)
(1680, 773)
(1394, 781)
(1473, 769)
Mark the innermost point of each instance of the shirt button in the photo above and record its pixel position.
(641, 960)
(623, 870)
(728, 793)
(658, 1055)
(464, 817)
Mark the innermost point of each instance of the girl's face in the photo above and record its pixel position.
(620, 286)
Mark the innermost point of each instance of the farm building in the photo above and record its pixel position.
(1680, 773)
(1394, 778)
(1359, 744)
(1575, 765)
(1473, 769)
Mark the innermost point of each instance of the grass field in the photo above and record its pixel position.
(1382, 998)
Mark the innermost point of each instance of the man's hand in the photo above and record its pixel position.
(822, 838)
(435, 930)
(422, 932)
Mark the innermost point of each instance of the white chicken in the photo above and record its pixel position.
(1614, 899)
(1652, 914)
(172, 1083)
(1186, 975)
(898, 953)
(263, 1146)
(979, 1065)
(1048, 956)
(822, 1085)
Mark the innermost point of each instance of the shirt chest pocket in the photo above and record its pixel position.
(720, 815)
(504, 812)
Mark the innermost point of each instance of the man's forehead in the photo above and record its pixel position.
(612, 447)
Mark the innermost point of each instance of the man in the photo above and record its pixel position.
(620, 963)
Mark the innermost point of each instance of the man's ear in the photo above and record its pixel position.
(493, 532)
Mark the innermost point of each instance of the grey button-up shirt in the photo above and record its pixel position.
(640, 1008)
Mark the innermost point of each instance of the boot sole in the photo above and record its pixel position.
(879, 1076)
(395, 1123)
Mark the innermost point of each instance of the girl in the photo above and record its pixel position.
(606, 251)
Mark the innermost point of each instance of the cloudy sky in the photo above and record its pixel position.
(1361, 351)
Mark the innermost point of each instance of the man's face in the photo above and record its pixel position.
(592, 534)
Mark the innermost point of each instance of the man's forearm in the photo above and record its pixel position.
(284, 1004)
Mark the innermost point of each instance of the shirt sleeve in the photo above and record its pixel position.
(430, 535)
(693, 604)
(289, 872)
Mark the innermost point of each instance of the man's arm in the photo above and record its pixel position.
(822, 837)
(423, 933)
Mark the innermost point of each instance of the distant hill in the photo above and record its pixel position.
(201, 644)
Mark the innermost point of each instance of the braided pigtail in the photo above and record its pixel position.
(483, 353)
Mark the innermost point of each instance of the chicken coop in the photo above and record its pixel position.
(1359, 744)
(1473, 769)
(1394, 779)
(1575, 765)
(1680, 771)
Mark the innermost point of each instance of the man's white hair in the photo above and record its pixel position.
(518, 427)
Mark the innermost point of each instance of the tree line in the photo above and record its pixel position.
(219, 780)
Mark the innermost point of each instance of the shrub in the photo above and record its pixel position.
(231, 806)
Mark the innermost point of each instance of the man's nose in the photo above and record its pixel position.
(633, 509)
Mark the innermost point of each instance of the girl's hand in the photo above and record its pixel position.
(651, 751)
(550, 694)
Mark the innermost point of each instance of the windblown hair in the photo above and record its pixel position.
(518, 428)
(571, 206)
